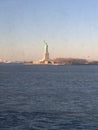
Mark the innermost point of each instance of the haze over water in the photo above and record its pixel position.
(48, 97)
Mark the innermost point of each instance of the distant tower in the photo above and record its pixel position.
(46, 53)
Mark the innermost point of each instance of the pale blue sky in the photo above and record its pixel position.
(70, 28)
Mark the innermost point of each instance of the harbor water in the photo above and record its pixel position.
(42, 97)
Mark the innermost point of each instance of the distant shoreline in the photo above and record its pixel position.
(46, 64)
(56, 62)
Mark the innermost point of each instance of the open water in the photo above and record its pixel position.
(48, 97)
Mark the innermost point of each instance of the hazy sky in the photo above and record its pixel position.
(70, 28)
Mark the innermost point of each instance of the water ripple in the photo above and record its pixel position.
(12, 120)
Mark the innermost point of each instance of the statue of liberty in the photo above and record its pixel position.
(46, 47)
(46, 53)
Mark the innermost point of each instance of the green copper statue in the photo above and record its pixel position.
(46, 47)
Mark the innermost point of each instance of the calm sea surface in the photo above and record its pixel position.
(48, 97)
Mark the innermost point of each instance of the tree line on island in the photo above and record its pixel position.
(73, 61)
